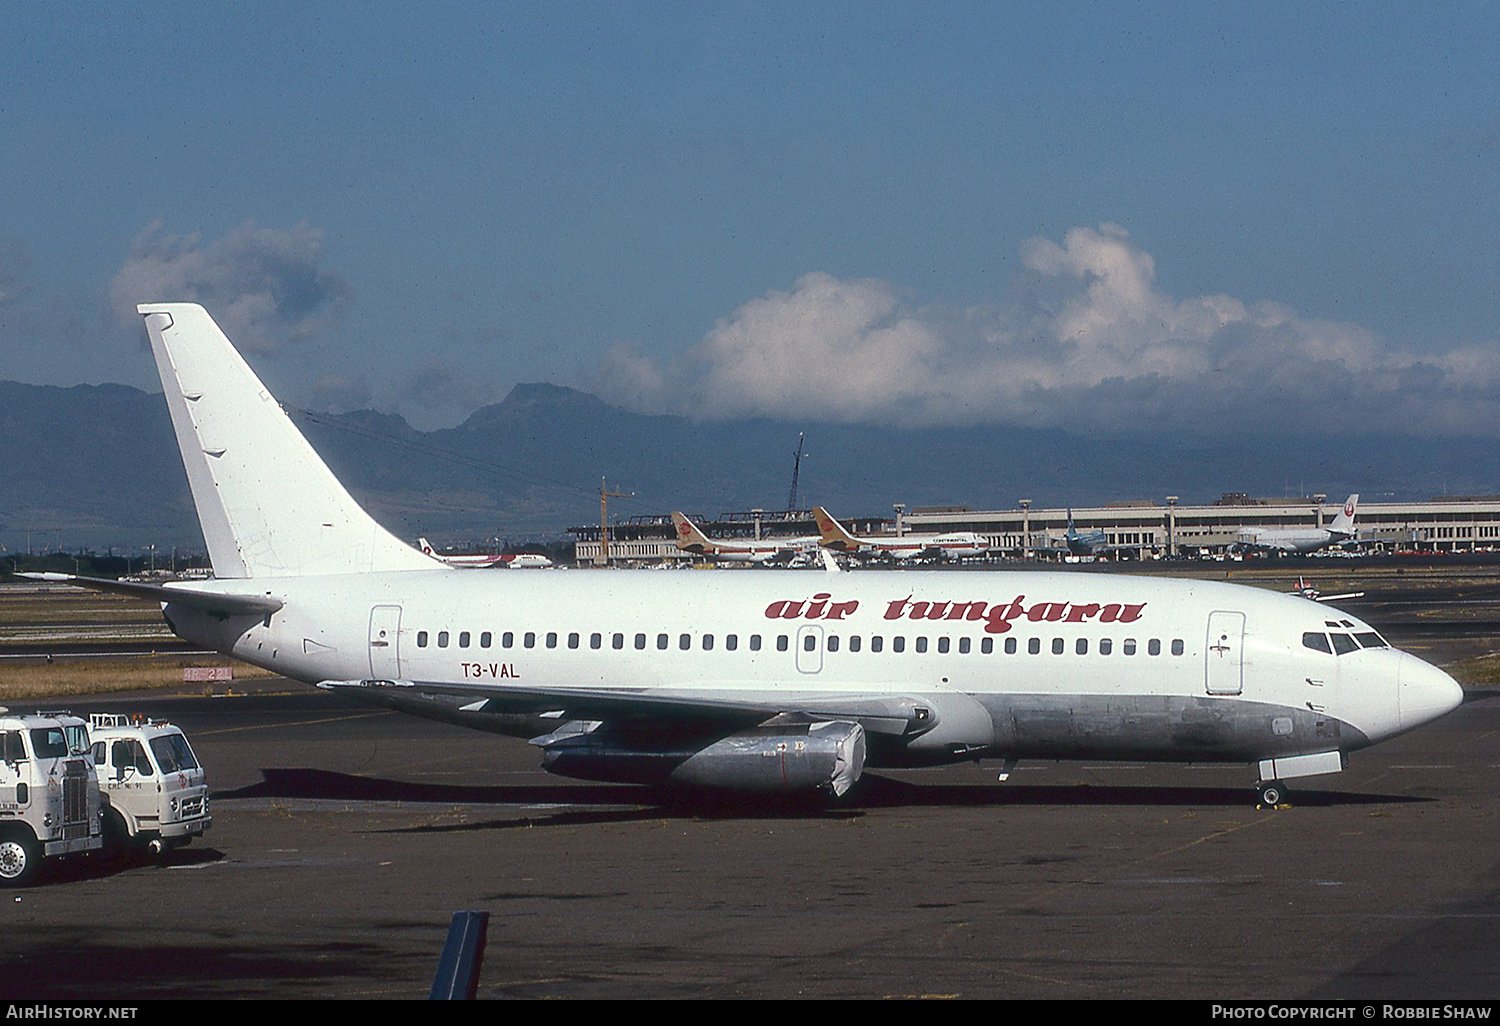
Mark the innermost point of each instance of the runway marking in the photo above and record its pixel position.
(293, 723)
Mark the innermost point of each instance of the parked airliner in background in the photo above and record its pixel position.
(773, 681)
(1087, 543)
(514, 560)
(786, 551)
(1339, 530)
(912, 546)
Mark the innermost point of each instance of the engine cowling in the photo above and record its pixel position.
(823, 755)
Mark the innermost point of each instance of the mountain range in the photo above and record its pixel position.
(97, 466)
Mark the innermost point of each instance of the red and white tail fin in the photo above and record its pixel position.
(834, 535)
(1344, 522)
(689, 537)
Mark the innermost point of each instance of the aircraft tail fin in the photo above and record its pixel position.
(833, 533)
(689, 537)
(1344, 522)
(268, 504)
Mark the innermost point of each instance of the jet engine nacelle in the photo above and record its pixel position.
(826, 755)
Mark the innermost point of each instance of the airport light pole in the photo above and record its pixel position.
(1025, 528)
(898, 506)
(1319, 500)
(1171, 526)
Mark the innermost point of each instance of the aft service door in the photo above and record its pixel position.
(809, 649)
(385, 629)
(1224, 658)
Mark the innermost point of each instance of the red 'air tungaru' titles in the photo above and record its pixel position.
(997, 617)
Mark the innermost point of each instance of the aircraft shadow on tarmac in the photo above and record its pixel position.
(571, 803)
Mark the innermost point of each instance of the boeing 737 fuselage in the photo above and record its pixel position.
(771, 681)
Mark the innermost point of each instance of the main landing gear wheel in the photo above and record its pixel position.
(20, 858)
(1270, 792)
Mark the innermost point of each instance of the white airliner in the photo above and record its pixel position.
(690, 538)
(772, 681)
(514, 560)
(912, 546)
(1339, 530)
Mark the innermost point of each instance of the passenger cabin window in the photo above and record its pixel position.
(877, 644)
(1106, 646)
(1177, 646)
(662, 641)
(755, 642)
(854, 643)
(463, 639)
(898, 644)
(596, 640)
(617, 641)
(731, 642)
(486, 639)
(442, 639)
(685, 642)
(508, 639)
(573, 640)
(781, 643)
(963, 646)
(1057, 646)
(528, 640)
(921, 644)
(551, 639)
(1153, 647)
(640, 642)
(1010, 646)
(1034, 646)
(421, 639)
(708, 642)
(987, 645)
(833, 642)
(1129, 646)
(1081, 646)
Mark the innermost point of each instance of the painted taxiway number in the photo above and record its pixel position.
(496, 671)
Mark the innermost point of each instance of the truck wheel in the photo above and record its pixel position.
(20, 859)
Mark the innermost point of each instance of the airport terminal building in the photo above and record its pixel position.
(1145, 529)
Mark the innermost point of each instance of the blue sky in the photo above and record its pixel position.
(1084, 214)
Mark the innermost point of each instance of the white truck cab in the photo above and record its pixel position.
(156, 793)
(49, 792)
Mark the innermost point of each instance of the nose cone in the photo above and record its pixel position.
(1426, 693)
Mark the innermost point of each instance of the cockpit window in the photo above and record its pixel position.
(1316, 641)
(1343, 644)
(1369, 639)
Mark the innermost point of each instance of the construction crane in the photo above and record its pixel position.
(604, 496)
(791, 496)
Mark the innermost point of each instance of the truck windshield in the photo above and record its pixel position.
(49, 743)
(172, 753)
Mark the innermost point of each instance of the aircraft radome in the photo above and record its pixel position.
(769, 681)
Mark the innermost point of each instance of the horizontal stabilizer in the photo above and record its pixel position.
(210, 601)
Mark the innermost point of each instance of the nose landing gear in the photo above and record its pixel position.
(1271, 793)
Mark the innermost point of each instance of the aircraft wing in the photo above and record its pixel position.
(880, 714)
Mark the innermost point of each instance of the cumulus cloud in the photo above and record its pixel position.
(1084, 339)
(265, 286)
